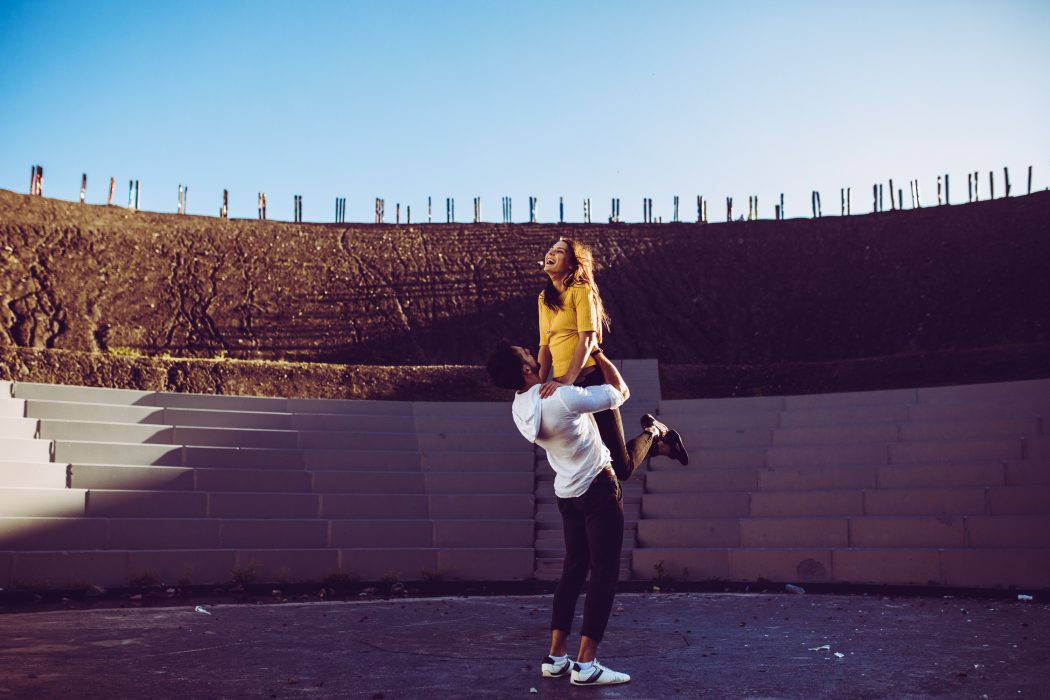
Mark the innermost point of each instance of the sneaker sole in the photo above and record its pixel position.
(600, 684)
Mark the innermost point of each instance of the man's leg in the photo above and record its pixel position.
(573, 574)
(603, 506)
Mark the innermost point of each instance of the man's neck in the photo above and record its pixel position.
(529, 383)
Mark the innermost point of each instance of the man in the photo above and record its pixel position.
(589, 497)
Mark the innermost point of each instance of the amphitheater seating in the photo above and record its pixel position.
(946, 486)
(122, 486)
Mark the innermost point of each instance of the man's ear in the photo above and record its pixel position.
(526, 370)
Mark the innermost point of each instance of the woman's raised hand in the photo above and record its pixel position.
(549, 388)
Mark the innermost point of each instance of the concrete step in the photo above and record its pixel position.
(130, 477)
(123, 503)
(688, 480)
(350, 407)
(1029, 471)
(843, 415)
(689, 423)
(696, 505)
(730, 406)
(110, 413)
(717, 458)
(870, 433)
(365, 482)
(826, 455)
(117, 453)
(890, 397)
(18, 428)
(957, 450)
(363, 460)
(965, 429)
(443, 460)
(992, 408)
(453, 423)
(83, 394)
(335, 440)
(95, 431)
(205, 418)
(25, 450)
(725, 438)
(1025, 389)
(51, 503)
(12, 408)
(33, 475)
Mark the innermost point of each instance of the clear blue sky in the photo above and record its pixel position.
(577, 99)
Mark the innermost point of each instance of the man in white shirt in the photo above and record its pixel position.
(589, 497)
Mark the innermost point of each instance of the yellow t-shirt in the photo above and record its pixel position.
(560, 329)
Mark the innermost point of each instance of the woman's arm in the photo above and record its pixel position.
(545, 361)
(585, 343)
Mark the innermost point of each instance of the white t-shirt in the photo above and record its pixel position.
(562, 425)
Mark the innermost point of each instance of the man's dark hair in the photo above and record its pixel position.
(504, 367)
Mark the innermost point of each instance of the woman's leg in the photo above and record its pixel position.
(626, 456)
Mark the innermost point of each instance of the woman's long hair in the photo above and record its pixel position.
(582, 272)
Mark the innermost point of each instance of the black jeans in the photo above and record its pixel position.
(593, 525)
(626, 456)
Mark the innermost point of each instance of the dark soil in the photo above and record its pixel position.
(933, 296)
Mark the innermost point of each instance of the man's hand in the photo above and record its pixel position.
(548, 388)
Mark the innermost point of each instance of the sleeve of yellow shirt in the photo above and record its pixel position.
(545, 321)
(586, 314)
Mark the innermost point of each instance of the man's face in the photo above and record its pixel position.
(527, 359)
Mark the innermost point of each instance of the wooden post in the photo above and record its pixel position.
(408, 214)
(842, 201)
(991, 185)
(675, 209)
(940, 192)
(893, 203)
(561, 210)
(947, 190)
(83, 187)
(397, 213)
(776, 210)
(849, 200)
(918, 195)
(705, 210)
(112, 188)
(225, 213)
(781, 206)
(429, 220)
(813, 202)
(969, 187)
(729, 208)
(1006, 179)
(1029, 179)
(131, 193)
(976, 187)
(874, 198)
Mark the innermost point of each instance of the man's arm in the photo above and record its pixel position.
(611, 374)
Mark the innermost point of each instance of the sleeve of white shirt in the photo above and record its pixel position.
(591, 399)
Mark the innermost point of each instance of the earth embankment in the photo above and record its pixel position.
(935, 281)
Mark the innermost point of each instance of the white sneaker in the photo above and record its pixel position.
(556, 670)
(597, 675)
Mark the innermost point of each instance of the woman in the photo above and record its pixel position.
(572, 318)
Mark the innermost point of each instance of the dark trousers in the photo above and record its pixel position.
(626, 456)
(593, 525)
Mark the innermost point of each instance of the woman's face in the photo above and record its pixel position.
(558, 261)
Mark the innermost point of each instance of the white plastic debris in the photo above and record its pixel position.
(792, 588)
(1024, 597)
(826, 647)
(533, 690)
(201, 609)
(839, 654)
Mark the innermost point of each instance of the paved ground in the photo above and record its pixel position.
(673, 644)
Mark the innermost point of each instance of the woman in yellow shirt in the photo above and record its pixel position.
(572, 318)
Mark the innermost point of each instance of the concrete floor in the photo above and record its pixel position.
(673, 644)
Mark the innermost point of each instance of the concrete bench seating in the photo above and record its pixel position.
(904, 486)
(948, 485)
